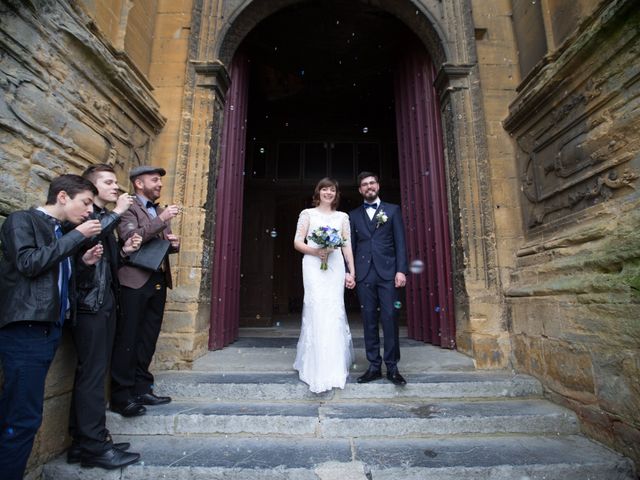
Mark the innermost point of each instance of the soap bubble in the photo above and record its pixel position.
(397, 305)
(416, 266)
(261, 149)
(365, 130)
(437, 309)
(273, 233)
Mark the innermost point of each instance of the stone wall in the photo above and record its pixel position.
(68, 99)
(574, 313)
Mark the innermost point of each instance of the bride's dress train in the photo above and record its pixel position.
(325, 349)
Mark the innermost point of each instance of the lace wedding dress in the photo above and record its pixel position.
(325, 349)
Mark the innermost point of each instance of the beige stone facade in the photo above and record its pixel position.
(539, 105)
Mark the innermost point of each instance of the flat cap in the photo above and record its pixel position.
(142, 169)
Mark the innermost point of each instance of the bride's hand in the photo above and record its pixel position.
(323, 253)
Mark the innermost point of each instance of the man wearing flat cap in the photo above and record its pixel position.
(142, 297)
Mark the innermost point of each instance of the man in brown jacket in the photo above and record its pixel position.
(142, 297)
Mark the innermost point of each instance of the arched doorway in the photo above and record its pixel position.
(333, 89)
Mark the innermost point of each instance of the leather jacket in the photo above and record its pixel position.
(94, 281)
(29, 267)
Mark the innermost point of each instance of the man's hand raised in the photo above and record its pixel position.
(169, 212)
(123, 203)
(90, 228)
(93, 255)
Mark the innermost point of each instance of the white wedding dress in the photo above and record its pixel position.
(325, 349)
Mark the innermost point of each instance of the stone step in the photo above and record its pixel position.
(477, 458)
(278, 386)
(347, 420)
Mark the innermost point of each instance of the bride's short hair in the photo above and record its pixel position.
(326, 182)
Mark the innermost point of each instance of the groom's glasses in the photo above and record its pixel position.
(366, 184)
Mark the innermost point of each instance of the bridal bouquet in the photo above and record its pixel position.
(326, 237)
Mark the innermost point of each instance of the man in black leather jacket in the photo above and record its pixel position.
(94, 330)
(37, 285)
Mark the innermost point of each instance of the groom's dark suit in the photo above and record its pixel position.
(379, 253)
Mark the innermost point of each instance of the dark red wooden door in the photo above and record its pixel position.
(225, 288)
(424, 202)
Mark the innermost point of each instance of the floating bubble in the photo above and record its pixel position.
(277, 324)
(261, 149)
(437, 309)
(365, 129)
(232, 108)
(397, 305)
(258, 317)
(416, 266)
(273, 233)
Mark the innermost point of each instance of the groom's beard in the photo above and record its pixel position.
(370, 196)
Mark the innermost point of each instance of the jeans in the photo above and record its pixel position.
(26, 352)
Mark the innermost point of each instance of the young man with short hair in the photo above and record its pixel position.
(94, 330)
(38, 296)
(377, 239)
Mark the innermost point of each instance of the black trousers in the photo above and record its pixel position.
(377, 297)
(93, 336)
(137, 332)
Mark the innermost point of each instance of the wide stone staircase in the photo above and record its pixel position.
(242, 414)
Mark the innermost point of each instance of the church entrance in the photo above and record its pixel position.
(322, 85)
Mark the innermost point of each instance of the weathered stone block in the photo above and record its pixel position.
(175, 6)
(617, 387)
(490, 351)
(569, 370)
(178, 322)
(174, 26)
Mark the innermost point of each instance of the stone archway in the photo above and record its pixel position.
(447, 36)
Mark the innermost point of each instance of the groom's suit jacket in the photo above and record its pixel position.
(379, 246)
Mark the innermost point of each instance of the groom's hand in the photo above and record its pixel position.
(401, 280)
(349, 281)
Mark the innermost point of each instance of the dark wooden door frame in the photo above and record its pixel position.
(430, 303)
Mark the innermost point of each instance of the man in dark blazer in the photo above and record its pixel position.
(142, 297)
(377, 237)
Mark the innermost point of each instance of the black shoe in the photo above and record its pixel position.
(151, 399)
(369, 376)
(110, 459)
(74, 454)
(395, 378)
(131, 409)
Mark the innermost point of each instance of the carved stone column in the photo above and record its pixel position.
(479, 306)
(187, 315)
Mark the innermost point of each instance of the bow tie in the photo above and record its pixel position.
(150, 204)
(371, 205)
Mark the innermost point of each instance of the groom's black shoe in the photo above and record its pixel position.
(395, 378)
(369, 376)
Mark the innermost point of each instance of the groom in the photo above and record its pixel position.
(377, 235)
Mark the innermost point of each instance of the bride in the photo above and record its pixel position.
(325, 349)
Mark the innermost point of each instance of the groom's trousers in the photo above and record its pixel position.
(376, 293)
